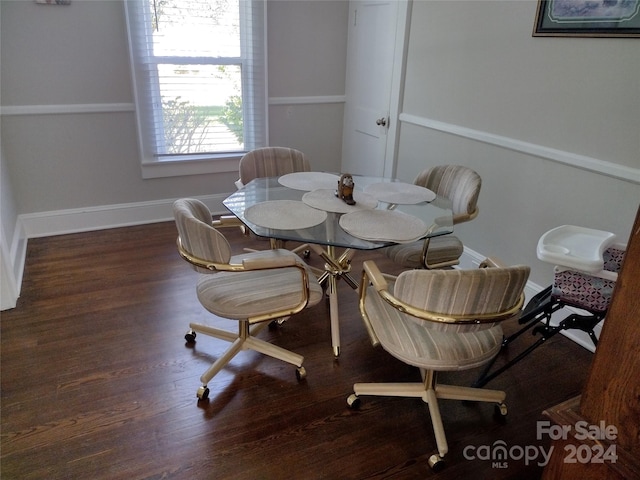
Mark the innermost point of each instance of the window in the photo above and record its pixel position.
(199, 78)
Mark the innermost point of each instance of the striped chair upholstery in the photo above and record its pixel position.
(197, 234)
(459, 184)
(444, 249)
(271, 162)
(462, 186)
(439, 320)
(446, 346)
(251, 288)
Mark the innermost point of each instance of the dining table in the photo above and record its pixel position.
(306, 207)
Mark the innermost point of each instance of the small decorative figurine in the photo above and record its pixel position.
(345, 189)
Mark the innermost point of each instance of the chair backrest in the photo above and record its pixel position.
(459, 184)
(197, 235)
(272, 162)
(481, 291)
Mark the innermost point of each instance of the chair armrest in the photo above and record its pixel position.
(282, 262)
(371, 273)
(257, 263)
(374, 275)
(433, 266)
(492, 262)
(270, 262)
(465, 217)
(227, 221)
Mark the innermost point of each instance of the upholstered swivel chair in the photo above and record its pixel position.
(251, 289)
(439, 320)
(462, 186)
(273, 162)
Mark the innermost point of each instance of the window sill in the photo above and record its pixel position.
(191, 166)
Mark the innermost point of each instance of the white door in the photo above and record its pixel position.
(373, 26)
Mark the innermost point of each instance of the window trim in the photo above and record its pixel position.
(153, 166)
(191, 165)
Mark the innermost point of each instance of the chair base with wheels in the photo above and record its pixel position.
(430, 392)
(244, 340)
(439, 320)
(253, 289)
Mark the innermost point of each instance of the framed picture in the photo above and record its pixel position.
(587, 18)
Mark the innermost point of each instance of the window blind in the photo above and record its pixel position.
(199, 76)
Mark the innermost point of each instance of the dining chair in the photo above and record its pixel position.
(462, 186)
(439, 320)
(273, 162)
(252, 289)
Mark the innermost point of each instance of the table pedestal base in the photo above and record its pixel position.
(335, 268)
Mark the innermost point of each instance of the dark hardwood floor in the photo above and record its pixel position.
(98, 382)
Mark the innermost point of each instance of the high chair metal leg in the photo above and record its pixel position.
(537, 317)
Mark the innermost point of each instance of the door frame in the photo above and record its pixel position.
(397, 86)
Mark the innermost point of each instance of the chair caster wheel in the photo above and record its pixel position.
(353, 401)
(306, 254)
(436, 462)
(501, 410)
(190, 336)
(301, 373)
(203, 393)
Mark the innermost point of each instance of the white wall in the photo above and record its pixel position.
(551, 124)
(307, 60)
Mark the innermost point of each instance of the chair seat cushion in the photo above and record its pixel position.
(441, 249)
(242, 295)
(414, 343)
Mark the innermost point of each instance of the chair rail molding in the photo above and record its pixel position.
(10, 110)
(602, 167)
(66, 109)
(315, 100)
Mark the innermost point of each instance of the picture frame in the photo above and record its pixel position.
(587, 18)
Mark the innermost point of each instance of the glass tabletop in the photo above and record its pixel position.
(437, 215)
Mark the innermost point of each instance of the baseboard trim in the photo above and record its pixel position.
(61, 222)
(13, 261)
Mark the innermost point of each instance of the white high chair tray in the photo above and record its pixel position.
(575, 247)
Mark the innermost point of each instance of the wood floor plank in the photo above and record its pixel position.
(98, 381)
